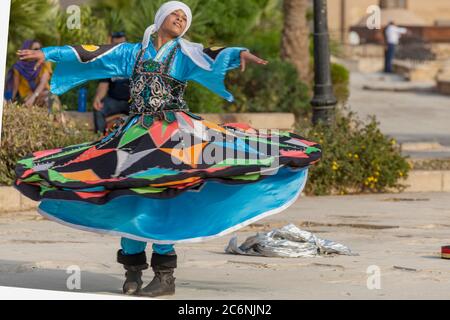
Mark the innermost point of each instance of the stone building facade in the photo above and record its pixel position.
(344, 14)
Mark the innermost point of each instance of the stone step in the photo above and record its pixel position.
(423, 146)
(12, 200)
(427, 155)
(402, 87)
(426, 151)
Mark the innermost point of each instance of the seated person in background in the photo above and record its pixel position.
(112, 95)
(25, 83)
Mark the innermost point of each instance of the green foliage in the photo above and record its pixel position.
(264, 39)
(28, 19)
(263, 43)
(201, 100)
(257, 25)
(357, 158)
(45, 21)
(212, 20)
(224, 21)
(340, 77)
(113, 12)
(272, 88)
(70, 98)
(92, 29)
(20, 136)
(131, 16)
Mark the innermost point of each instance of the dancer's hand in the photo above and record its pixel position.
(36, 55)
(246, 56)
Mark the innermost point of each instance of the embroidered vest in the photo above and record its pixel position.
(154, 93)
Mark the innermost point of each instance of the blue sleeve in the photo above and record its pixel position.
(76, 65)
(227, 59)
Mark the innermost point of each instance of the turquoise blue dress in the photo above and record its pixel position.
(126, 184)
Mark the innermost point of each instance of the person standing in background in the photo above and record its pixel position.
(392, 35)
(112, 95)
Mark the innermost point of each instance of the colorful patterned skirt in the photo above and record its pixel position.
(183, 180)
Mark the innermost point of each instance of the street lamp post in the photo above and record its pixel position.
(324, 101)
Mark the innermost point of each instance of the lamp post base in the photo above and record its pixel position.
(324, 114)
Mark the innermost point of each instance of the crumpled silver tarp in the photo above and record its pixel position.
(288, 242)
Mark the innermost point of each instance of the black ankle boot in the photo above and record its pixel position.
(163, 283)
(134, 264)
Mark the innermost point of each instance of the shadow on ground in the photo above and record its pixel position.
(29, 275)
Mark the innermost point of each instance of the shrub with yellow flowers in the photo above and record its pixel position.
(356, 158)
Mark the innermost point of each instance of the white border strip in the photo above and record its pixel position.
(14, 293)
(192, 240)
(5, 6)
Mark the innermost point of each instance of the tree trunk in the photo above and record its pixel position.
(295, 41)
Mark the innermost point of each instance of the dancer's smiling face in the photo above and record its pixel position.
(175, 23)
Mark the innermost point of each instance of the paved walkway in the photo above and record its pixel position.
(401, 234)
(417, 116)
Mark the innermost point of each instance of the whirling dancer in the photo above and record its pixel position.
(165, 175)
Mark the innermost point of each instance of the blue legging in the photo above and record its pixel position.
(130, 246)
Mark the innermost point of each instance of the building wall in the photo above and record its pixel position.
(355, 10)
(431, 10)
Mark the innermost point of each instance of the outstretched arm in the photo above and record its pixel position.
(79, 64)
(244, 56)
(36, 55)
(222, 59)
(247, 57)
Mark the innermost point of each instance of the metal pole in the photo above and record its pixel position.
(324, 101)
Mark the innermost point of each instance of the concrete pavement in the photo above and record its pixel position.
(398, 234)
(409, 116)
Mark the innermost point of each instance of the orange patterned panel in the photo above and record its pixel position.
(85, 175)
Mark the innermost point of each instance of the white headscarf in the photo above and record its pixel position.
(191, 49)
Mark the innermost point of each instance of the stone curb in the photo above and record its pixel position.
(400, 88)
(423, 146)
(418, 181)
(12, 200)
(428, 181)
(258, 120)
